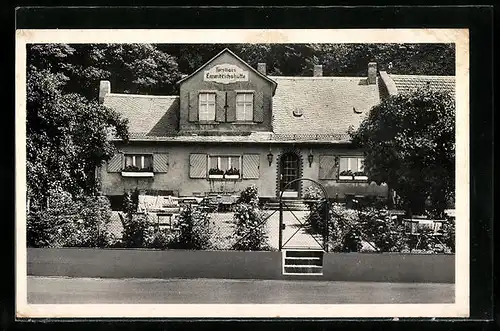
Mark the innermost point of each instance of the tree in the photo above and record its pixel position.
(404, 59)
(409, 143)
(131, 68)
(67, 135)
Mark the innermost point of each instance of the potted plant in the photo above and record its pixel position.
(215, 173)
(232, 173)
(131, 168)
(346, 175)
(360, 175)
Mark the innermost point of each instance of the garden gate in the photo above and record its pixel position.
(304, 255)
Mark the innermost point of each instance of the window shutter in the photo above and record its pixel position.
(258, 106)
(193, 106)
(198, 165)
(251, 166)
(115, 163)
(220, 103)
(231, 109)
(160, 162)
(328, 168)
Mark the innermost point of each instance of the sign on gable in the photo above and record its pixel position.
(225, 73)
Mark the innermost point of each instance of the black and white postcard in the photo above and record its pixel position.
(242, 173)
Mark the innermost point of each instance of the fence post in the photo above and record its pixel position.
(326, 213)
(280, 237)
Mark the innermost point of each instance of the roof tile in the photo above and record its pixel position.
(409, 83)
(147, 115)
(329, 105)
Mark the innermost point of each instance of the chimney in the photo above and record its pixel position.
(261, 67)
(372, 73)
(318, 70)
(104, 88)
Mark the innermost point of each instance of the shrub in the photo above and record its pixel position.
(312, 193)
(249, 195)
(250, 232)
(344, 236)
(70, 222)
(136, 229)
(316, 217)
(448, 235)
(130, 201)
(95, 215)
(159, 238)
(194, 226)
(135, 226)
(380, 228)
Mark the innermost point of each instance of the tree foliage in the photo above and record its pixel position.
(409, 143)
(67, 134)
(337, 59)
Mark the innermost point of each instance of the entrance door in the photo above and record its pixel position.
(289, 171)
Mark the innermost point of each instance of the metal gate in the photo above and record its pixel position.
(320, 208)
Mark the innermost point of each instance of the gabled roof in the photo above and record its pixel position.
(397, 84)
(227, 50)
(329, 105)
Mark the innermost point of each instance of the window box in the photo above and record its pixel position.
(215, 173)
(360, 177)
(232, 173)
(137, 174)
(345, 177)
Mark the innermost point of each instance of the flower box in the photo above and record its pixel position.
(216, 176)
(361, 177)
(232, 176)
(345, 177)
(137, 174)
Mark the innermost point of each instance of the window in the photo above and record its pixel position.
(225, 165)
(351, 166)
(244, 107)
(206, 107)
(138, 162)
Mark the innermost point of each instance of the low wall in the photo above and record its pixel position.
(389, 267)
(137, 263)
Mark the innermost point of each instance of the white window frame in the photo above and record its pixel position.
(229, 162)
(354, 163)
(206, 108)
(248, 106)
(136, 160)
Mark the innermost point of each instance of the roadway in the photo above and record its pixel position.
(65, 290)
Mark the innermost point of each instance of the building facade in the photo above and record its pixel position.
(232, 126)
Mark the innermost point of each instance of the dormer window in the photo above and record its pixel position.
(244, 106)
(206, 107)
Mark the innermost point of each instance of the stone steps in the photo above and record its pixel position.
(303, 262)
